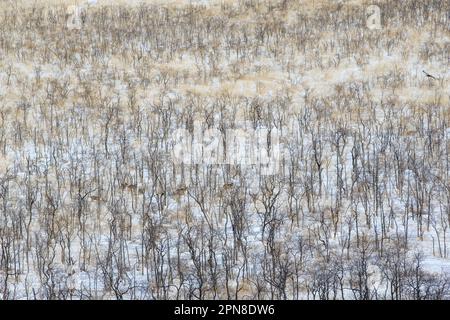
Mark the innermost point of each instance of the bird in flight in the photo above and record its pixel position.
(429, 75)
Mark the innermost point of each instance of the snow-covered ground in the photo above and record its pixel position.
(94, 205)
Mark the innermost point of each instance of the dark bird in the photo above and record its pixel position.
(429, 75)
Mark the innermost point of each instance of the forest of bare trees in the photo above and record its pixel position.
(94, 205)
